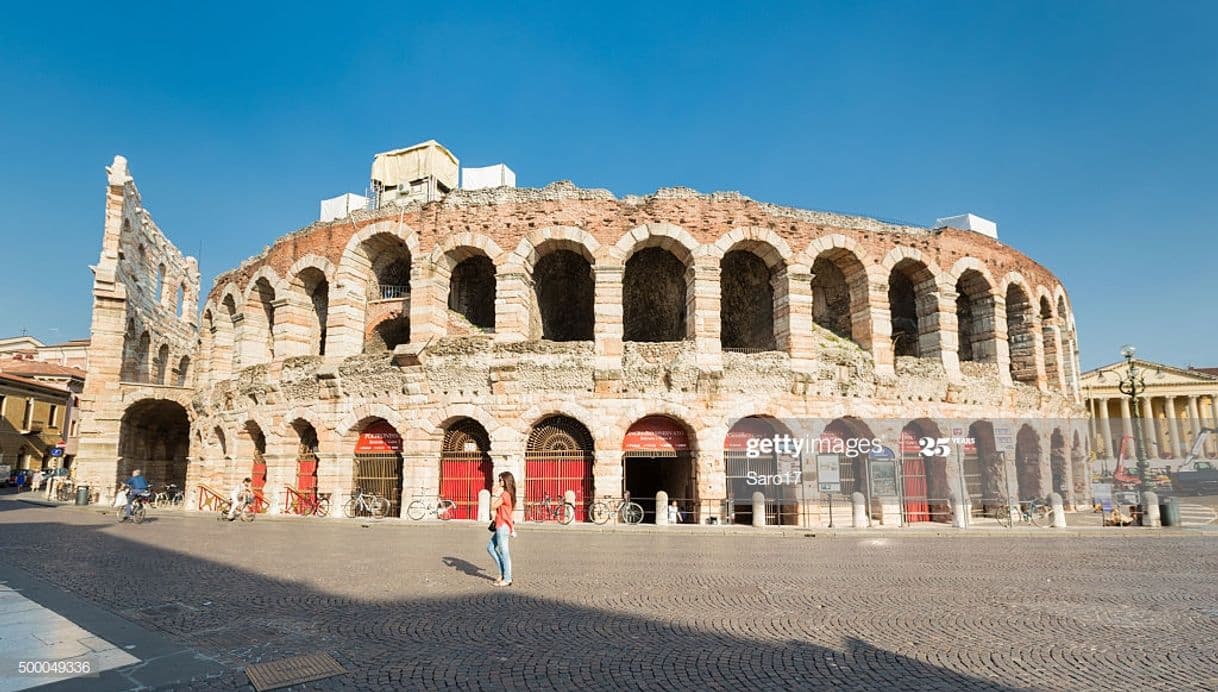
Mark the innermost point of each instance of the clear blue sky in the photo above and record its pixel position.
(1088, 130)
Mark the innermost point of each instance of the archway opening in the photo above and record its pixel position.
(746, 312)
(912, 303)
(154, 436)
(261, 320)
(162, 365)
(654, 297)
(306, 456)
(465, 466)
(471, 291)
(752, 466)
(1048, 335)
(983, 472)
(558, 458)
(839, 290)
(387, 314)
(1020, 341)
(1057, 462)
(841, 450)
(975, 317)
(565, 293)
(657, 454)
(1027, 464)
(253, 444)
(378, 463)
(924, 485)
(388, 334)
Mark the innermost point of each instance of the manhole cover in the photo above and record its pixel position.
(292, 671)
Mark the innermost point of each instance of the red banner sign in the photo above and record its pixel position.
(379, 438)
(744, 430)
(656, 434)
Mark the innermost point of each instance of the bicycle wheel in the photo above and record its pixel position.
(446, 510)
(248, 513)
(566, 513)
(632, 513)
(350, 507)
(417, 510)
(600, 513)
(137, 513)
(1003, 515)
(120, 514)
(535, 512)
(322, 508)
(1036, 515)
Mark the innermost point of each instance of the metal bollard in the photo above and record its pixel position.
(1150, 510)
(484, 505)
(758, 509)
(661, 508)
(860, 510)
(1059, 510)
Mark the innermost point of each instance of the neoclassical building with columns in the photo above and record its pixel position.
(591, 345)
(1175, 406)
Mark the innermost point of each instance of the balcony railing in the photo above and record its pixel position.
(388, 292)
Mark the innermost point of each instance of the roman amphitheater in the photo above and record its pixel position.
(589, 344)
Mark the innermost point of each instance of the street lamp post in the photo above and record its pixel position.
(1132, 386)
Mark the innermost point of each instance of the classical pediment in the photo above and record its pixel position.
(1155, 374)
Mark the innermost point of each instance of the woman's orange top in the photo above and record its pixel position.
(503, 515)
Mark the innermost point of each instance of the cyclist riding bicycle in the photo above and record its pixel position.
(241, 497)
(137, 487)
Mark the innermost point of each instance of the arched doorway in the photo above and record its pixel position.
(465, 466)
(840, 447)
(752, 463)
(1027, 463)
(1058, 461)
(154, 436)
(306, 458)
(657, 455)
(924, 491)
(983, 471)
(254, 441)
(559, 458)
(378, 463)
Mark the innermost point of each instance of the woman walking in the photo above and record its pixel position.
(503, 501)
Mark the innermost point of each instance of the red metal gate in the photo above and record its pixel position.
(914, 486)
(465, 466)
(306, 473)
(558, 459)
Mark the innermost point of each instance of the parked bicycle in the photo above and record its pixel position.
(65, 491)
(1034, 512)
(169, 496)
(305, 504)
(362, 503)
(624, 510)
(550, 509)
(247, 513)
(425, 506)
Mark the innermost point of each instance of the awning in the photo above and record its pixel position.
(655, 436)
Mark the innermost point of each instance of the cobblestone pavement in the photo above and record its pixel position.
(413, 606)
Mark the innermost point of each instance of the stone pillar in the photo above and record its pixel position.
(1093, 422)
(1127, 425)
(429, 297)
(1036, 333)
(1150, 510)
(800, 343)
(484, 506)
(938, 329)
(607, 328)
(1149, 436)
(758, 509)
(517, 318)
(1214, 422)
(1106, 429)
(874, 330)
(1194, 419)
(858, 503)
(1059, 511)
(702, 321)
(998, 344)
(661, 508)
(1173, 426)
(292, 334)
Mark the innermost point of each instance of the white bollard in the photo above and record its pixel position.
(1059, 510)
(484, 505)
(960, 512)
(859, 503)
(1150, 510)
(569, 498)
(661, 508)
(758, 509)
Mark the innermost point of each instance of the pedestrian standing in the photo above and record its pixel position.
(503, 502)
(36, 484)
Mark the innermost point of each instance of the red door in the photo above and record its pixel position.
(914, 486)
(258, 482)
(462, 475)
(306, 474)
(554, 473)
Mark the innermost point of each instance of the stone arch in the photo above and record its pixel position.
(1050, 339)
(183, 372)
(540, 241)
(913, 286)
(1021, 329)
(975, 311)
(350, 425)
(467, 273)
(670, 237)
(660, 454)
(559, 453)
(440, 419)
(154, 436)
(258, 333)
(763, 242)
(924, 486)
(1028, 464)
(753, 289)
(840, 292)
(562, 282)
(161, 365)
(1065, 321)
(657, 289)
(142, 368)
(372, 285)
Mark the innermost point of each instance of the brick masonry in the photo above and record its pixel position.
(259, 366)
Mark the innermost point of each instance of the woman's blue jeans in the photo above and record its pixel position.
(498, 548)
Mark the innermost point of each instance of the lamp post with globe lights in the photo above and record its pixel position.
(1133, 385)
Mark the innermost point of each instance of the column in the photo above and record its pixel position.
(702, 312)
(1173, 426)
(1127, 429)
(1194, 419)
(1093, 423)
(1106, 429)
(1149, 436)
(1214, 421)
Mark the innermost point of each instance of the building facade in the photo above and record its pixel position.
(1175, 406)
(590, 345)
(34, 419)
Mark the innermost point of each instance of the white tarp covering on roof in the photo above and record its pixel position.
(341, 207)
(969, 222)
(498, 175)
(430, 159)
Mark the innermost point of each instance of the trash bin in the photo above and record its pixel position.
(1169, 511)
(82, 494)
